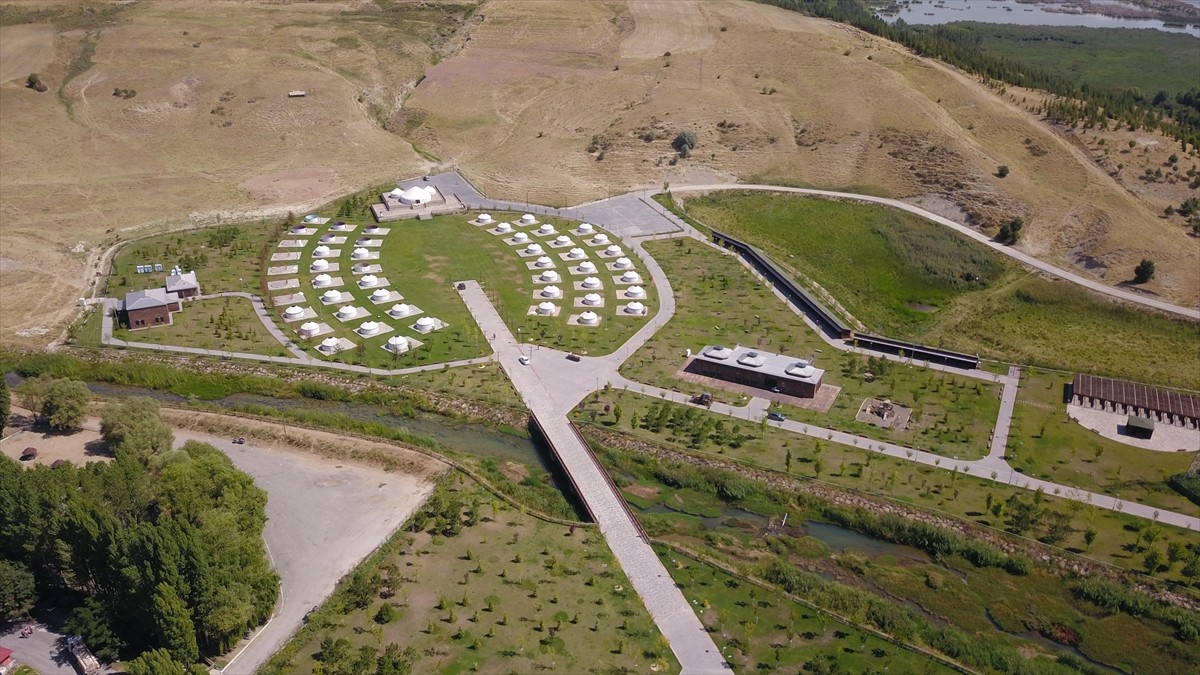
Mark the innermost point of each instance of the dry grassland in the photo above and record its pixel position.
(537, 82)
(210, 129)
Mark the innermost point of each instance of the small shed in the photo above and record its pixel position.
(1139, 427)
(297, 93)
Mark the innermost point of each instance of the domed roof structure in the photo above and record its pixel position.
(533, 249)
(549, 275)
(623, 263)
(330, 343)
(528, 219)
(576, 253)
(360, 253)
(587, 267)
(545, 229)
(591, 282)
(319, 264)
(417, 195)
(589, 318)
(635, 292)
(400, 309)
(425, 322)
(520, 237)
(545, 308)
(484, 218)
(309, 327)
(504, 227)
(551, 292)
(544, 261)
(321, 251)
(562, 240)
(586, 227)
(613, 249)
(600, 238)
(380, 294)
(592, 299)
(347, 312)
(331, 295)
(397, 341)
(293, 311)
(369, 328)
(368, 280)
(322, 280)
(631, 276)
(635, 308)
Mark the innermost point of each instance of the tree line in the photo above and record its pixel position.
(1177, 116)
(160, 549)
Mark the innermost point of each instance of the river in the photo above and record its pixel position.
(934, 12)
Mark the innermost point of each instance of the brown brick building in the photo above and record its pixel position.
(146, 309)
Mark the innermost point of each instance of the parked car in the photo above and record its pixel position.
(573, 357)
(776, 417)
(704, 399)
(524, 360)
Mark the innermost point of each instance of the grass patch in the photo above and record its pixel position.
(500, 592)
(903, 276)
(225, 258)
(226, 324)
(1045, 443)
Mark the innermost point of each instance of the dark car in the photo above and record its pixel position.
(776, 417)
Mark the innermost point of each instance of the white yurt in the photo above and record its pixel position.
(587, 267)
(399, 310)
(630, 277)
(484, 218)
(397, 342)
(576, 253)
(504, 227)
(368, 328)
(591, 282)
(593, 299)
(416, 195)
(331, 295)
(586, 227)
(589, 318)
(635, 292)
(549, 275)
(368, 280)
(635, 308)
(309, 328)
(520, 237)
(424, 324)
(365, 241)
(326, 238)
(533, 249)
(551, 292)
(310, 218)
(319, 265)
(339, 226)
(347, 312)
(371, 229)
(600, 238)
(359, 253)
(330, 344)
(298, 229)
(293, 312)
(528, 219)
(321, 251)
(544, 261)
(562, 240)
(623, 263)
(546, 229)
(613, 249)
(322, 280)
(380, 294)
(545, 308)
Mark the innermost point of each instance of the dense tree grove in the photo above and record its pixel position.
(164, 546)
(1176, 115)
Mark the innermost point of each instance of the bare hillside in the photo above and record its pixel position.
(160, 111)
(560, 102)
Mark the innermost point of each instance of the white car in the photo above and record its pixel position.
(524, 360)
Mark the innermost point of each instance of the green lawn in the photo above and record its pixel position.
(226, 324)
(1044, 442)
(509, 593)
(422, 259)
(225, 258)
(720, 302)
(904, 277)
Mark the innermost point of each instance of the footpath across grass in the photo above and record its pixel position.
(910, 278)
(472, 585)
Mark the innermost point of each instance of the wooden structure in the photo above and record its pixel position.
(1139, 400)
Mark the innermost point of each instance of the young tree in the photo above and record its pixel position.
(18, 592)
(1152, 560)
(66, 404)
(1144, 271)
(31, 395)
(1089, 536)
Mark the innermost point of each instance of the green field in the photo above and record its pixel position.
(1118, 540)
(737, 522)
(225, 258)
(1108, 58)
(720, 302)
(504, 593)
(904, 277)
(225, 324)
(1044, 443)
(422, 259)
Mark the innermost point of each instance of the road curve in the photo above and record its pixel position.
(1189, 312)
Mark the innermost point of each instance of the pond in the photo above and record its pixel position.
(935, 12)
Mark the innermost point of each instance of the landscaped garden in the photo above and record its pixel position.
(225, 258)
(224, 324)
(909, 278)
(472, 585)
(719, 301)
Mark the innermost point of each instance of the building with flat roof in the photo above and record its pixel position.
(762, 370)
(149, 308)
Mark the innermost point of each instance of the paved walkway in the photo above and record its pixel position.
(550, 388)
